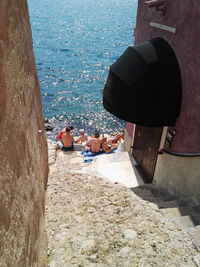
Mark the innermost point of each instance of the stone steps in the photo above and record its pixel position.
(184, 213)
(177, 211)
(186, 222)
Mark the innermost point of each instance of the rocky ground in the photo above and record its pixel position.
(93, 222)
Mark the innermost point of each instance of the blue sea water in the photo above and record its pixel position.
(75, 42)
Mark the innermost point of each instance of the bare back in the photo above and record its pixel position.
(95, 144)
(67, 139)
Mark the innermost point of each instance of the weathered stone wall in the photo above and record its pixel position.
(23, 151)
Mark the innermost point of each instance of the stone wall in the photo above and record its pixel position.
(179, 175)
(23, 150)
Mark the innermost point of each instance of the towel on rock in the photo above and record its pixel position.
(88, 155)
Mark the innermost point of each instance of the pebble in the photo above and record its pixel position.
(125, 251)
(130, 234)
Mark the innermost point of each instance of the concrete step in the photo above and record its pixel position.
(158, 192)
(187, 222)
(196, 209)
(185, 213)
(186, 202)
(143, 193)
(165, 204)
(162, 198)
(194, 234)
(117, 168)
(148, 190)
(150, 193)
(177, 211)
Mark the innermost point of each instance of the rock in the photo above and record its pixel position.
(105, 246)
(88, 246)
(53, 264)
(194, 234)
(130, 235)
(49, 127)
(102, 224)
(93, 257)
(196, 260)
(124, 252)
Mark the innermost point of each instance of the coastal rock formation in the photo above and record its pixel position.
(23, 149)
(93, 222)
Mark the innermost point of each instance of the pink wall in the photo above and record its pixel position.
(129, 128)
(186, 44)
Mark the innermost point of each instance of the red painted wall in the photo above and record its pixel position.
(184, 17)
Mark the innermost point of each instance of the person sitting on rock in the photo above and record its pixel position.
(107, 148)
(67, 140)
(83, 138)
(61, 133)
(94, 143)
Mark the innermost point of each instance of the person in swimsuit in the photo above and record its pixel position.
(67, 139)
(61, 133)
(116, 138)
(95, 143)
(107, 148)
(83, 137)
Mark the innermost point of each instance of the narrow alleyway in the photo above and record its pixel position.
(93, 222)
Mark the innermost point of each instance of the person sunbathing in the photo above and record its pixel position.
(95, 143)
(83, 137)
(116, 138)
(107, 148)
(67, 140)
(61, 133)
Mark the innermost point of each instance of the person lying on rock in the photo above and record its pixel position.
(67, 140)
(94, 143)
(116, 138)
(83, 138)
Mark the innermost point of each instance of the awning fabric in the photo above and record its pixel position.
(144, 85)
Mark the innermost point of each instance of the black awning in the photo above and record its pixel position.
(144, 85)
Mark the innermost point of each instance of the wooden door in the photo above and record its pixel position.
(145, 149)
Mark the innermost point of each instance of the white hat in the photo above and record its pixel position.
(81, 131)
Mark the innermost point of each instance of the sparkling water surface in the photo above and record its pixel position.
(75, 42)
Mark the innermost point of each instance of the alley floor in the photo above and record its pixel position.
(93, 222)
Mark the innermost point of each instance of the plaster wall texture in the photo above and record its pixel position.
(128, 140)
(129, 128)
(179, 175)
(23, 151)
(185, 18)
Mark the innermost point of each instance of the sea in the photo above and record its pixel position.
(75, 42)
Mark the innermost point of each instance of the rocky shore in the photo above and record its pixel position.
(93, 222)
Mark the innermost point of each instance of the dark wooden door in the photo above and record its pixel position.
(145, 149)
